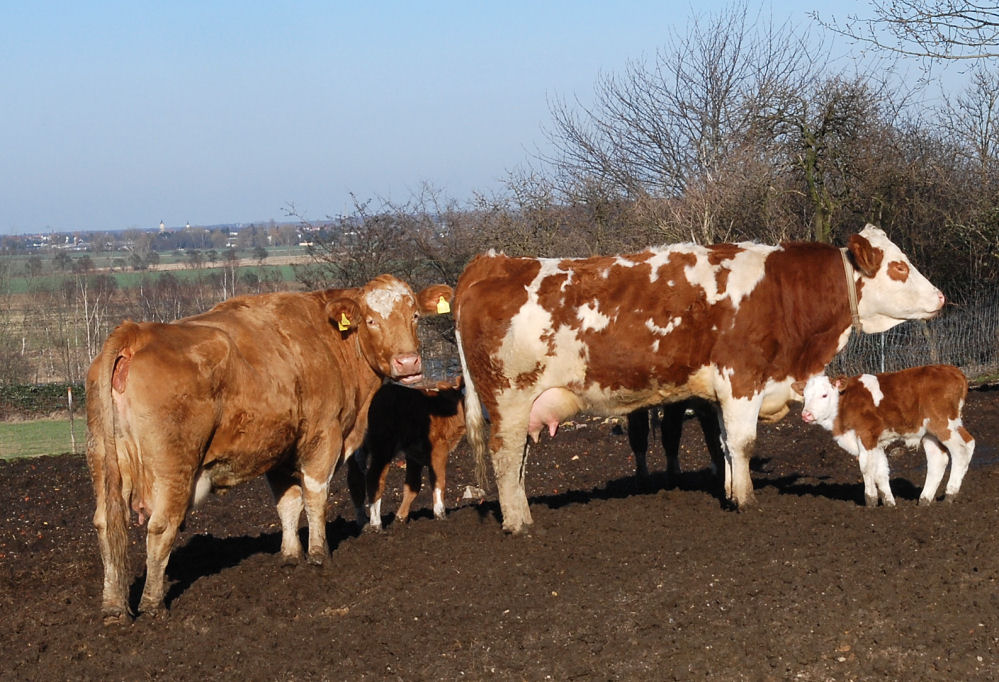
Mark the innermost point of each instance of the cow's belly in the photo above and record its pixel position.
(240, 455)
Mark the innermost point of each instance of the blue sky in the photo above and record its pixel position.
(121, 114)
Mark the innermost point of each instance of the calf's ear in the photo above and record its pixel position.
(866, 258)
(798, 387)
(839, 383)
(436, 299)
(344, 314)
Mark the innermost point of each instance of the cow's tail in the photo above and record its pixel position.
(112, 512)
(475, 423)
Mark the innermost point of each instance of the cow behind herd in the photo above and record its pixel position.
(294, 385)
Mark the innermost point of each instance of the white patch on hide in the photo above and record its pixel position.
(873, 386)
(663, 331)
(591, 318)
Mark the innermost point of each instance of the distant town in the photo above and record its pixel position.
(164, 238)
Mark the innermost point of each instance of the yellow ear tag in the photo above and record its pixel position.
(442, 306)
(343, 323)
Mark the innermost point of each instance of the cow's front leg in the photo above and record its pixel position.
(315, 494)
(739, 425)
(288, 496)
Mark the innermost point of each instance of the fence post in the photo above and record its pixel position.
(72, 430)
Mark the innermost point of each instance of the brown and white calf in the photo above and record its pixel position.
(541, 339)
(425, 425)
(919, 405)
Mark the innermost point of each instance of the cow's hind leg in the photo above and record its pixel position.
(936, 464)
(170, 501)
(288, 496)
(508, 465)
(961, 446)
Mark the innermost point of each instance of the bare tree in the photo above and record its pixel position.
(930, 29)
(694, 124)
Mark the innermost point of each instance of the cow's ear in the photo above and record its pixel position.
(866, 258)
(839, 383)
(344, 314)
(798, 387)
(436, 299)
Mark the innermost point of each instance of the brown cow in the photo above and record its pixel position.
(425, 425)
(541, 339)
(275, 384)
(921, 405)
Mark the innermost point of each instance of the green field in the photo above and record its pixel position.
(41, 437)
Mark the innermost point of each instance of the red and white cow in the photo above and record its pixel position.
(276, 384)
(425, 425)
(541, 339)
(919, 405)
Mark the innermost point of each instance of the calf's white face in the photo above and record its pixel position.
(821, 401)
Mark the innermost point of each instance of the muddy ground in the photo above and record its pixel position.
(614, 582)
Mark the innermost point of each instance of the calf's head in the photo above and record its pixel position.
(891, 289)
(821, 400)
(384, 314)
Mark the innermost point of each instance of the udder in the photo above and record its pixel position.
(549, 409)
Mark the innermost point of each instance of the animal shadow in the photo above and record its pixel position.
(206, 555)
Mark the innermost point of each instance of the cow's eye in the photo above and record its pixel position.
(371, 322)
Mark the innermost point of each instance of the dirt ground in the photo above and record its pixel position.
(614, 582)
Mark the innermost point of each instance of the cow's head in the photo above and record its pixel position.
(821, 400)
(891, 289)
(383, 314)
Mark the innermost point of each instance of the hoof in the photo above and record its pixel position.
(950, 498)
(870, 501)
(373, 528)
(153, 610)
(116, 616)
(924, 502)
(317, 558)
(441, 516)
(290, 560)
(522, 530)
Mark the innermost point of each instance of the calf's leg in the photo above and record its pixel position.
(936, 463)
(638, 440)
(961, 446)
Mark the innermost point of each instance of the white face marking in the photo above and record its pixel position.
(871, 383)
(885, 302)
(591, 318)
(822, 400)
(383, 300)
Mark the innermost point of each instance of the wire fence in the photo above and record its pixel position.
(965, 336)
